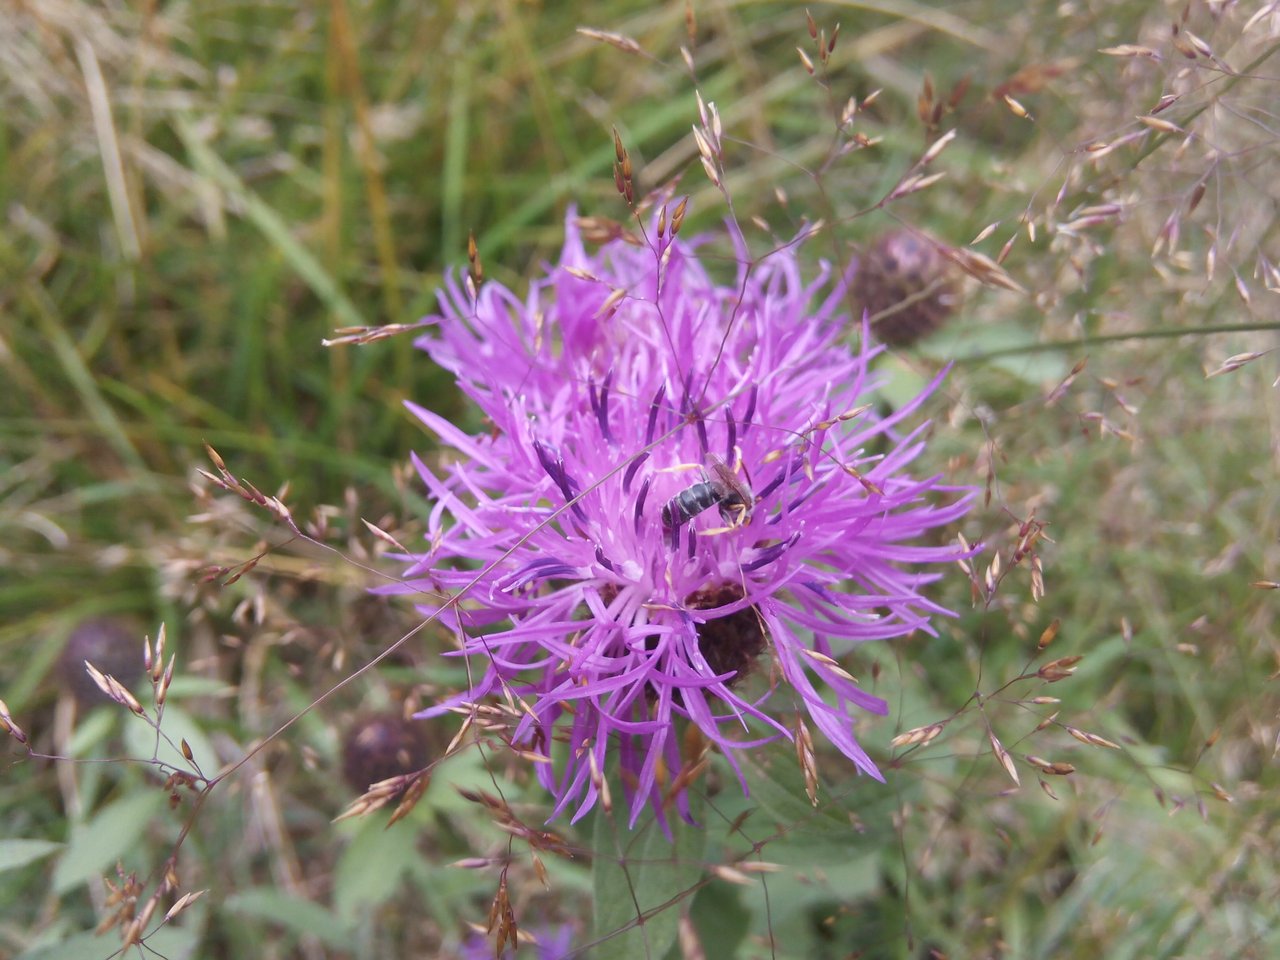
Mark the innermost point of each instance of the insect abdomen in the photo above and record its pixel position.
(688, 503)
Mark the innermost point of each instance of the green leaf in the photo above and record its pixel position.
(834, 849)
(721, 920)
(171, 942)
(18, 853)
(274, 226)
(92, 729)
(811, 836)
(114, 831)
(183, 687)
(372, 866)
(639, 879)
(302, 917)
(77, 947)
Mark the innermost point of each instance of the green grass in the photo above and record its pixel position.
(285, 172)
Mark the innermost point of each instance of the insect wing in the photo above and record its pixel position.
(736, 500)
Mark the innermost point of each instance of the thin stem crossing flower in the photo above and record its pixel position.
(683, 480)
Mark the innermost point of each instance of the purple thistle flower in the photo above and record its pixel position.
(682, 476)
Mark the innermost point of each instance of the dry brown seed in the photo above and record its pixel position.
(921, 735)
(1199, 45)
(624, 43)
(610, 302)
(1264, 11)
(119, 693)
(148, 911)
(382, 534)
(162, 688)
(131, 934)
(1062, 769)
(158, 657)
(1056, 670)
(804, 59)
(982, 268)
(12, 729)
(473, 258)
(711, 172)
(1197, 194)
(1005, 759)
(1184, 47)
(1231, 364)
(1003, 255)
(914, 184)
(759, 866)
(732, 875)
(183, 902)
(1017, 109)
(1242, 289)
(1050, 632)
(600, 783)
(677, 218)
(808, 762)
(936, 148)
(1061, 388)
(1157, 123)
(1129, 50)
(984, 233)
(412, 795)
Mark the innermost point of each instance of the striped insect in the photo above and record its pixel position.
(719, 487)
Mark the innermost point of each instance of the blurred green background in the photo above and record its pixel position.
(195, 195)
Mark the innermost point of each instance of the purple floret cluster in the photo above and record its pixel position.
(605, 591)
